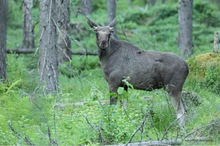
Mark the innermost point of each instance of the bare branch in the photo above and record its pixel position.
(139, 129)
(26, 138)
(199, 128)
(166, 131)
(29, 51)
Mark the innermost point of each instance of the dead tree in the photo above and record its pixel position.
(215, 50)
(185, 27)
(63, 28)
(3, 32)
(86, 7)
(111, 12)
(28, 29)
(48, 63)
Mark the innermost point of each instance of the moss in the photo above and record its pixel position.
(200, 64)
(205, 69)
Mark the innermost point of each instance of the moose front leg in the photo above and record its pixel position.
(113, 94)
(114, 82)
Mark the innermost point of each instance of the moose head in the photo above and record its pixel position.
(103, 33)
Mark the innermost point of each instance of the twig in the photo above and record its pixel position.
(101, 139)
(139, 128)
(48, 128)
(153, 126)
(13, 130)
(26, 138)
(166, 131)
(126, 113)
(199, 128)
(87, 120)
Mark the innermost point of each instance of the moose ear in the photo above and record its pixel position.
(92, 24)
(112, 23)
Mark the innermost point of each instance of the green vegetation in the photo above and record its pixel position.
(29, 117)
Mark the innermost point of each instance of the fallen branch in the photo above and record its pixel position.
(31, 51)
(199, 128)
(198, 139)
(77, 104)
(20, 51)
(153, 143)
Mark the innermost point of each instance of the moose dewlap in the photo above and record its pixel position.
(145, 70)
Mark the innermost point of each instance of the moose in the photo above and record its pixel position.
(144, 70)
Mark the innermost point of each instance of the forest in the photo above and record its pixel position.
(52, 85)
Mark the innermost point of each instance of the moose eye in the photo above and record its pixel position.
(109, 36)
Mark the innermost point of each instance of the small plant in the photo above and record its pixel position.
(212, 79)
(122, 93)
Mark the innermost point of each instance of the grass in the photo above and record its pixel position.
(80, 125)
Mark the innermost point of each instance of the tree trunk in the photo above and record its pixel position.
(28, 29)
(215, 49)
(111, 12)
(3, 35)
(185, 27)
(86, 7)
(130, 2)
(153, 2)
(218, 4)
(48, 64)
(63, 42)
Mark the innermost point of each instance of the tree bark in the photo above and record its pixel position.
(48, 63)
(111, 12)
(3, 35)
(153, 2)
(218, 4)
(28, 29)
(63, 42)
(86, 7)
(215, 49)
(185, 27)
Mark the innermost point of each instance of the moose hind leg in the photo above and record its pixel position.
(178, 107)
